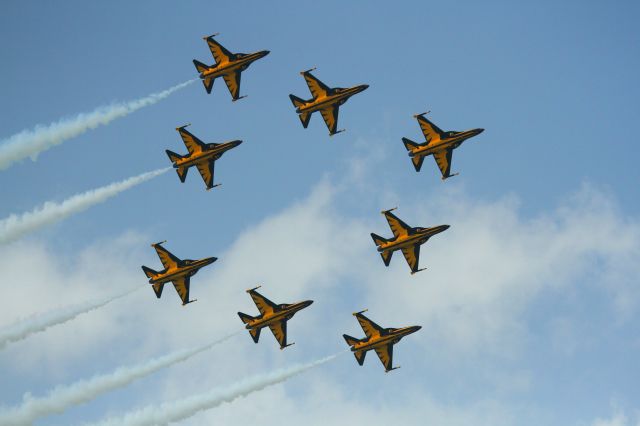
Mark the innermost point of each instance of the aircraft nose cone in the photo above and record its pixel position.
(479, 131)
(307, 303)
(364, 86)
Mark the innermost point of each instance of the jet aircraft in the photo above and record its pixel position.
(227, 65)
(271, 315)
(438, 143)
(405, 238)
(202, 155)
(379, 339)
(326, 100)
(176, 271)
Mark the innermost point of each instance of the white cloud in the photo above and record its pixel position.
(483, 274)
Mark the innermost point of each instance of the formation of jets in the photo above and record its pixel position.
(327, 101)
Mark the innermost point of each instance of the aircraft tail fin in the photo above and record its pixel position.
(182, 173)
(173, 156)
(350, 340)
(245, 318)
(297, 102)
(150, 273)
(255, 334)
(378, 239)
(200, 66)
(409, 144)
(360, 356)
(157, 289)
(304, 118)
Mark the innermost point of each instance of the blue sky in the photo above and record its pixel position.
(553, 182)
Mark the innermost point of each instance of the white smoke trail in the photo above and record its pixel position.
(62, 397)
(187, 407)
(15, 226)
(40, 322)
(30, 143)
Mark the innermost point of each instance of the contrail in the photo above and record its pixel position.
(185, 408)
(15, 226)
(30, 143)
(40, 322)
(63, 397)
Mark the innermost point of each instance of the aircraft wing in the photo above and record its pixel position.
(386, 356)
(233, 83)
(182, 288)
(316, 87)
(398, 227)
(443, 160)
(330, 117)
(192, 143)
(206, 169)
(369, 327)
(412, 255)
(220, 54)
(431, 131)
(264, 305)
(279, 331)
(168, 260)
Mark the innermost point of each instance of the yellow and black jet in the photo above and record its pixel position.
(177, 271)
(405, 238)
(326, 100)
(271, 315)
(438, 143)
(202, 155)
(228, 65)
(379, 339)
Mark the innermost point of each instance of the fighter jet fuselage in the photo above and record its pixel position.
(339, 97)
(187, 269)
(393, 336)
(420, 236)
(287, 312)
(451, 140)
(240, 63)
(213, 152)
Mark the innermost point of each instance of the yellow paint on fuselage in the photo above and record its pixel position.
(176, 272)
(205, 156)
(275, 317)
(230, 66)
(382, 341)
(443, 144)
(324, 101)
(405, 241)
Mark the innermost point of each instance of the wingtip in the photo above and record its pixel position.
(421, 114)
(389, 210)
(182, 127)
(253, 289)
(210, 36)
(158, 243)
(361, 312)
(309, 70)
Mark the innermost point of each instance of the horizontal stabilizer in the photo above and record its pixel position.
(255, 334)
(173, 156)
(360, 356)
(150, 273)
(304, 118)
(386, 257)
(350, 340)
(182, 173)
(297, 102)
(208, 84)
(417, 162)
(378, 240)
(409, 144)
(245, 318)
(157, 289)
(200, 66)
